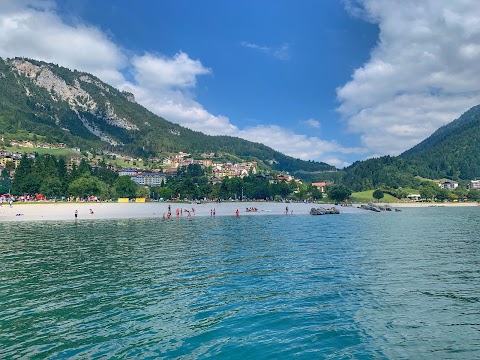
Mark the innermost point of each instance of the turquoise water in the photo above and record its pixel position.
(360, 285)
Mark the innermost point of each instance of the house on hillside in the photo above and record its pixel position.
(450, 185)
(26, 144)
(321, 186)
(75, 160)
(283, 178)
(216, 180)
(414, 197)
(5, 159)
(127, 172)
(474, 185)
(171, 172)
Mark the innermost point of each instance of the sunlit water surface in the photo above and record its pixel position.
(397, 285)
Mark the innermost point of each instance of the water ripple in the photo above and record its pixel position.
(400, 285)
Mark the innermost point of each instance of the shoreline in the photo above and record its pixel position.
(64, 211)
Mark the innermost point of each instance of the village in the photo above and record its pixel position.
(167, 167)
(163, 169)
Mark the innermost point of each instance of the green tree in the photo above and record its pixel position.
(164, 193)
(125, 187)
(315, 193)
(5, 183)
(188, 189)
(473, 195)
(142, 192)
(443, 194)
(378, 194)
(52, 186)
(339, 193)
(429, 190)
(460, 192)
(9, 165)
(23, 171)
(105, 174)
(87, 186)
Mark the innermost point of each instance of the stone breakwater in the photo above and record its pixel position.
(323, 211)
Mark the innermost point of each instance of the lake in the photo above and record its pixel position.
(392, 285)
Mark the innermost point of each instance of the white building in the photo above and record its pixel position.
(474, 184)
(149, 179)
(450, 185)
(127, 172)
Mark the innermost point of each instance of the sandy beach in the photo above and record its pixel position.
(66, 211)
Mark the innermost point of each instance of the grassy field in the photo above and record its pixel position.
(367, 196)
(56, 152)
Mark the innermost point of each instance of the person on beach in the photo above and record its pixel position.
(76, 214)
(211, 212)
(11, 203)
(286, 210)
(214, 211)
(177, 212)
(237, 213)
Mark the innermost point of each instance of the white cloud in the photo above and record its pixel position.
(161, 72)
(315, 124)
(424, 71)
(164, 86)
(32, 29)
(296, 145)
(281, 52)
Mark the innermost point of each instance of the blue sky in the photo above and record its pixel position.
(333, 81)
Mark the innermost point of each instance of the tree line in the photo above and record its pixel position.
(50, 176)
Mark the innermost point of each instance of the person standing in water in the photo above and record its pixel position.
(76, 214)
(237, 213)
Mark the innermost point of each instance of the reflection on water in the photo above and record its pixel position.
(396, 285)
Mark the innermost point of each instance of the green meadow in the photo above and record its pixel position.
(367, 196)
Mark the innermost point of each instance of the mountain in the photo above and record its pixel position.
(39, 99)
(453, 152)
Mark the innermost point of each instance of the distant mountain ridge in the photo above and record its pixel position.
(453, 152)
(465, 128)
(79, 109)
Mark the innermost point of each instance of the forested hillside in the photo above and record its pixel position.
(45, 100)
(452, 152)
